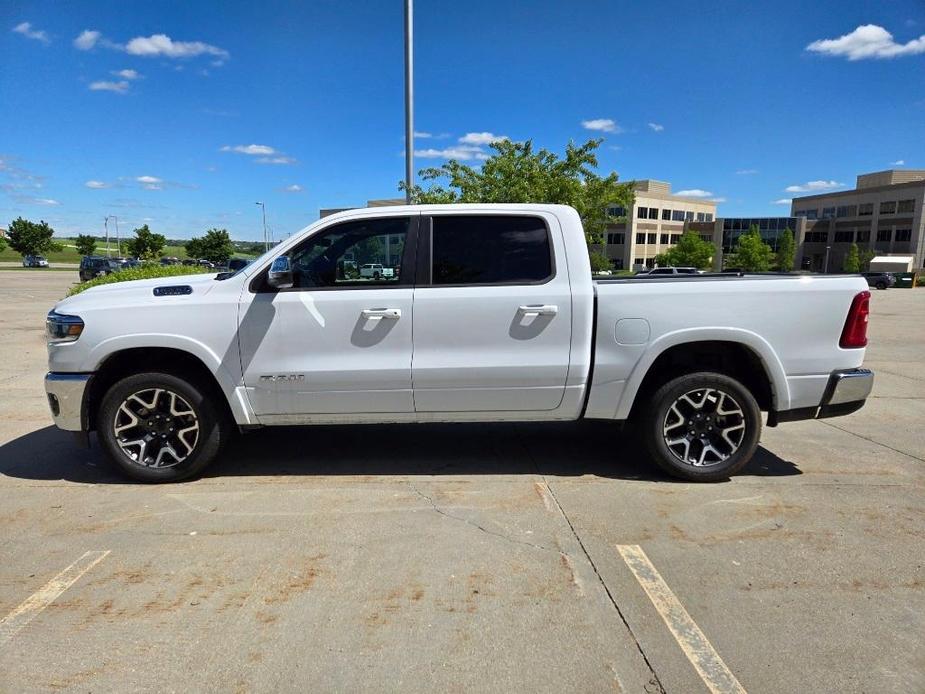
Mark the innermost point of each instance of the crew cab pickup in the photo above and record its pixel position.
(491, 315)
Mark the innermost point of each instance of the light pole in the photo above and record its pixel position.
(409, 98)
(118, 241)
(266, 243)
(826, 268)
(106, 227)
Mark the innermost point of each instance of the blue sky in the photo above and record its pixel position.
(182, 115)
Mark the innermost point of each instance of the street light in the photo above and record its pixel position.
(826, 268)
(266, 243)
(409, 98)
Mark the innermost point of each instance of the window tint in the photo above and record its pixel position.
(365, 253)
(481, 249)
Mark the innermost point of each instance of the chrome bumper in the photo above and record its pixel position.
(848, 386)
(66, 397)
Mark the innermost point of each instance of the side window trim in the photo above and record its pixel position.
(257, 285)
(424, 276)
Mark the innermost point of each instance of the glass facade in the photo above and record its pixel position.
(770, 229)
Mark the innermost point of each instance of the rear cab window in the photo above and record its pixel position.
(490, 249)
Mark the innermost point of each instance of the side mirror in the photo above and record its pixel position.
(280, 275)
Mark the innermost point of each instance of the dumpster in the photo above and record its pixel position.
(904, 280)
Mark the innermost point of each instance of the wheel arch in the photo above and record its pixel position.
(739, 354)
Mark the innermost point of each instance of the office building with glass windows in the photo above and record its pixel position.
(655, 223)
(883, 214)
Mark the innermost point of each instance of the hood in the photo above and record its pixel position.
(136, 292)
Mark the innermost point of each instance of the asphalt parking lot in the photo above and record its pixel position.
(466, 558)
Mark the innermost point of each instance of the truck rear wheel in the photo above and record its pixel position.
(701, 427)
(160, 428)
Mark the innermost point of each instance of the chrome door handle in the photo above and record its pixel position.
(539, 310)
(380, 313)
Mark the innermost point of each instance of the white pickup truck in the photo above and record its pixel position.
(491, 315)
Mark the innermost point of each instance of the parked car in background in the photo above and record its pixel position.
(372, 270)
(672, 271)
(235, 264)
(34, 261)
(496, 319)
(170, 260)
(96, 265)
(880, 280)
(202, 262)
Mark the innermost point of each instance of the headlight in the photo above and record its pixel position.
(62, 328)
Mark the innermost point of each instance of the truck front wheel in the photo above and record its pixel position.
(160, 428)
(701, 426)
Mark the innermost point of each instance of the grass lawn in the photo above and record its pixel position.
(37, 269)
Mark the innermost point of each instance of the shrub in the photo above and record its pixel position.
(145, 272)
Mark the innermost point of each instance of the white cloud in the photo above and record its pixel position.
(481, 138)
(867, 41)
(604, 125)
(656, 127)
(86, 40)
(97, 185)
(813, 186)
(126, 74)
(249, 149)
(898, 162)
(746, 172)
(423, 135)
(282, 159)
(462, 152)
(695, 193)
(163, 45)
(44, 202)
(294, 188)
(25, 28)
(119, 87)
(782, 201)
(151, 182)
(717, 200)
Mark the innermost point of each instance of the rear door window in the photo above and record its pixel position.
(490, 249)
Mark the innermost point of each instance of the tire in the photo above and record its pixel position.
(174, 405)
(881, 285)
(717, 449)
(375, 275)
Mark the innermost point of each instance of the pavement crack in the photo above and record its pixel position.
(475, 525)
(867, 438)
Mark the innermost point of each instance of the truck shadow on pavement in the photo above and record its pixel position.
(570, 449)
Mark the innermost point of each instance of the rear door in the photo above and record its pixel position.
(492, 314)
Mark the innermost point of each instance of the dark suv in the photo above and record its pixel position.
(94, 266)
(880, 280)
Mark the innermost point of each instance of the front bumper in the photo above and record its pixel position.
(67, 397)
(846, 392)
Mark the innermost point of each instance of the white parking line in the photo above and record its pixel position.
(704, 658)
(47, 594)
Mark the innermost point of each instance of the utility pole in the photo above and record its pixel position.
(409, 98)
(266, 242)
(106, 227)
(826, 268)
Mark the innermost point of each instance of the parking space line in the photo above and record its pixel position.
(47, 594)
(711, 668)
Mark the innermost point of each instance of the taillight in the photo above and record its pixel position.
(854, 334)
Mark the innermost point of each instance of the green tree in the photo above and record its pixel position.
(215, 246)
(30, 238)
(852, 260)
(146, 245)
(786, 249)
(864, 258)
(86, 244)
(690, 251)
(751, 253)
(600, 262)
(2, 244)
(518, 173)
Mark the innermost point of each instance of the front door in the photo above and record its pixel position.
(492, 314)
(338, 341)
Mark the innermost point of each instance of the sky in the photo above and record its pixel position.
(182, 115)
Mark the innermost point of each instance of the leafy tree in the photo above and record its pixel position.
(786, 249)
(751, 252)
(86, 244)
(600, 262)
(30, 238)
(146, 245)
(215, 246)
(852, 260)
(518, 173)
(2, 244)
(690, 251)
(864, 258)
